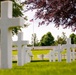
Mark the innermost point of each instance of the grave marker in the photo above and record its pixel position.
(27, 54)
(20, 44)
(52, 55)
(6, 22)
(68, 46)
(59, 52)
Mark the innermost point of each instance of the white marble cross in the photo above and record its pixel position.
(27, 54)
(20, 44)
(73, 52)
(6, 22)
(59, 52)
(68, 46)
(30, 55)
(52, 55)
(57, 49)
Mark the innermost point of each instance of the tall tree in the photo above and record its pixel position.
(42, 43)
(61, 12)
(47, 39)
(73, 37)
(61, 39)
(17, 11)
(34, 40)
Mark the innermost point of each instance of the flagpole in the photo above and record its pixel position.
(32, 20)
(33, 33)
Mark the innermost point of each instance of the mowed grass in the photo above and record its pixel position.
(38, 52)
(14, 52)
(34, 52)
(42, 68)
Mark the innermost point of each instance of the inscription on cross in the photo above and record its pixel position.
(6, 22)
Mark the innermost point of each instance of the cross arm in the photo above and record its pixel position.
(24, 42)
(69, 46)
(14, 22)
(25, 48)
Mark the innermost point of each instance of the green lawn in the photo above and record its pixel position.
(14, 52)
(42, 68)
(34, 52)
(38, 52)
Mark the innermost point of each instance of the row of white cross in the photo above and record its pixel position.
(24, 52)
(60, 48)
(6, 24)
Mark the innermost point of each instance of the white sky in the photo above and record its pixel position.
(40, 31)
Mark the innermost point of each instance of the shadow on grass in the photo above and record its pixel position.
(46, 60)
(14, 61)
(34, 61)
(40, 61)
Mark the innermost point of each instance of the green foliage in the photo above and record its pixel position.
(61, 40)
(34, 52)
(17, 9)
(38, 52)
(73, 38)
(47, 39)
(14, 52)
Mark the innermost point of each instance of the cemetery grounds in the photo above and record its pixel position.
(42, 67)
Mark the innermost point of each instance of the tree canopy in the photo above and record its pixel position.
(61, 12)
(61, 39)
(73, 38)
(47, 39)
